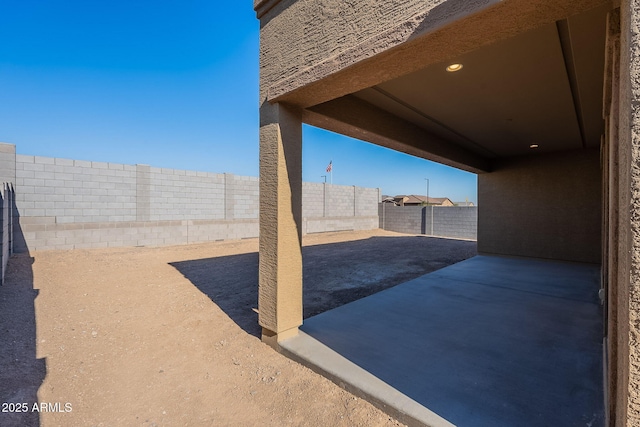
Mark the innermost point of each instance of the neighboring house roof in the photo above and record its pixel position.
(463, 203)
(414, 199)
(388, 199)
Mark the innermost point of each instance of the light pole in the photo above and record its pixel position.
(325, 178)
(431, 233)
(427, 201)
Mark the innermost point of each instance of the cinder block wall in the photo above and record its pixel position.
(74, 191)
(328, 207)
(6, 227)
(446, 221)
(177, 194)
(401, 219)
(70, 204)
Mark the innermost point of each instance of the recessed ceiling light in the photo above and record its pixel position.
(533, 146)
(454, 67)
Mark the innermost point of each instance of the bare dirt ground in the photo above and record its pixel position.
(168, 336)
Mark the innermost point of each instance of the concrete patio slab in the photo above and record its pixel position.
(490, 341)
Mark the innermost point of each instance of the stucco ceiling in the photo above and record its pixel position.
(541, 87)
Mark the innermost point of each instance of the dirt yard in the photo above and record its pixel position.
(169, 336)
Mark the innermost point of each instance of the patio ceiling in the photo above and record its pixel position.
(539, 91)
(542, 87)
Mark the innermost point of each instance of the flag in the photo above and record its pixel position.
(330, 166)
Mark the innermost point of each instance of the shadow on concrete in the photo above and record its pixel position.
(333, 274)
(21, 372)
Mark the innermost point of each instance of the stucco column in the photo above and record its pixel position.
(280, 290)
(627, 380)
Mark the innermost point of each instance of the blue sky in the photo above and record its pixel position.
(170, 84)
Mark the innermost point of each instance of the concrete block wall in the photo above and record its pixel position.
(244, 202)
(328, 207)
(313, 200)
(340, 200)
(322, 225)
(364, 199)
(6, 227)
(72, 204)
(7, 163)
(74, 191)
(177, 195)
(401, 219)
(439, 221)
(328, 200)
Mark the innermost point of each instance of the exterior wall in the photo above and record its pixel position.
(527, 199)
(624, 178)
(72, 204)
(448, 221)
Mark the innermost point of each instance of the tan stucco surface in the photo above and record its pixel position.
(630, 204)
(336, 42)
(280, 266)
(545, 206)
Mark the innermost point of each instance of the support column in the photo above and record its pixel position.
(280, 267)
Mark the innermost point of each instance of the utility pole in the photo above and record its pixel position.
(427, 179)
(429, 204)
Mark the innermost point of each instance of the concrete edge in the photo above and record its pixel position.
(323, 360)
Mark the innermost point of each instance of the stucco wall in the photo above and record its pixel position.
(323, 29)
(546, 206)
(333, 35)
(628, 239)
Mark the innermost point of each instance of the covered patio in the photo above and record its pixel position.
(539, 99)
(492, 341)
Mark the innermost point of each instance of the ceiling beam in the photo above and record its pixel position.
(356, 118)
(564, 35)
